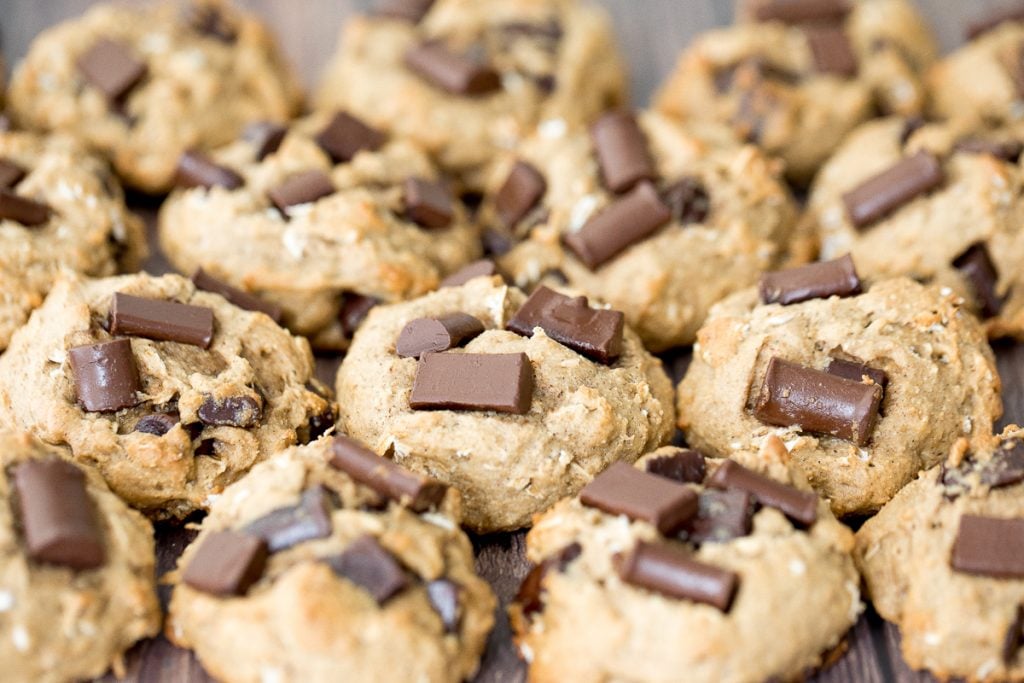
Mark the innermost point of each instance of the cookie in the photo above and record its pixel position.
(465, 78)
(316, 218)
(943, 561)
(170, 392)
(142, 86)
(77, 569)
(515, 403)
(61, 209)
(708, 215)
(673, 565)
(865, 389)
(315, 561)
(796, 89)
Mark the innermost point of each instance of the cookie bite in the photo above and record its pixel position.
(322, 219)
(77, 568)
(666, 566)
(866, 382)
(142, 85)
(328, 556)
(516, 402)
(656, 218)
(169, 391)
(795, 80)
(465, 78)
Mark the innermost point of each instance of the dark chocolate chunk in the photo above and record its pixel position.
(265, 137)
(994, 20)
(622, 151)
(113, 68)
(721, 517)
(1006, 467)
(288, 526)
(593, 332)
(409, 10)
(818, 402)
(687, 200)
(989, 546)
(684, 465)
(428, 203)
(624, 490)
(345, 136)
(481, 268)
(227, 563)
(632, 218)
(884, 193)
(1014, 638)
(157, 424)
(301, 188)
(446, 599)
(22, 210)
(501, 382)
(976, 266)
(531, 590)
(451, 72)
(426, 335)
(195, 169)
(831, 50)
(10, 174)
(1004, 150)
(210, 21)
(354, 309)
(523, 189)
(856, 371)
(250, 302)
(368, 565)
(161, 320)
(674, 573)
(801, 11)
(813, 281)
(231, 411)
(800, 506)
(57, 516)
(319, 425)
(106, 377)
(385, 477)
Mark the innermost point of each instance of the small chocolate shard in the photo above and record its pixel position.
(22, 210)
(433, 335)
(530, 594)
(687, 200)
(195, 169)
(10, 174)
(976, 266)
(368, 565)
(451, 72)
(384, 476)
(227, 563)
(684, 465)
(409, 10)
(106, 377)
(1004, 150)
(831, 49)
(345, 136)
(354, 309)
(301, 188)
(1014, 638)
(161, 320)
(593, 332)
(522, 191)
(622, 151)
(993, 21)
(470, 381)
(630, 219)
(113, 68)
(721, 517)
(624, 490)
(481, 268)
(445, 597)
(813, 281)
(801, 11)
(428, 203)
(231, 411)
(157, 424)
(250, 302)
(989, 546)
(672, 572)
(288, 526)
(265, 137)
(884, 193)
(857, 371)
(801, 507)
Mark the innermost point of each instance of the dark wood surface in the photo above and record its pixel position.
(651, 33)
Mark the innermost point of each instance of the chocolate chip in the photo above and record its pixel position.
(250, 302)
(531, 590)
(157, 424)
(1004, 150)
(976, 266)
(624, 490)
(227, 563)
(884, 193)
(684, 465)
(687, 200)
(992, 21)
(210, 21)
(195, 169)
(113, 68)
(288, 526)
(630, 219)
(481, 268)
(1014, 637)
(345, 136)
(368, 565)
(593, 332)
(813, 281)
(426, 335)
(801, 507)
(831, 50)
(22, 210)
(265, 137)
(231, 411)
(500, 382)
(301, 188)
(384, 476)
(445, 597)
(989, 546)
(672, 572)
(354, 309)
(161, 320)
(801, 11)
(721, 517)
(523, 189)
(10, 174)
(57, 516)
(428, 203)
(453, 73)
(856, 371)
(106, 377)
(622, 151)
(409, 10)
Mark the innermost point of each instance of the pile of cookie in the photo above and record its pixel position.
(499, 245)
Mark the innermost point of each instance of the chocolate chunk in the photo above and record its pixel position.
(112, 67)
(453, 73)
(409, 10)
(250, 302)
(368, 565)
(884, 193)
(227, 563)
(684, 465)
(210, 21)
(593, 332)
(445, 597)
(994, 20)
(1004, 150)
(232, 411)
(989, 546)
(523, 189)
(288, 526)
(687, 200)
(831, 50)
(345, 136)
(1006, 468)
(813, 281)
(481, 268)
(425, 335)
(195, 169)
(161, 320)
(624, 490)
(500, 382)
(800, 506)
(385, 477)
(531, 589)
(157, 424)
(818, 402)
(496, 242)
(10, 174)
(265, 137)
(1014, 637)
(976, 266)
(721, 517)
(301, 188)
(428, 203)
(674, 573)
(57, 516)
(22, 210)
(622, 151)
(856, 371)
(354, 309)
(801, 11)
(106, 377)
(632, 218)
(319, 425)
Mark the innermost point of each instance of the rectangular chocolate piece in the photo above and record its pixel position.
(384, 476)
(368, 565)
(500, 382)
(684, 465)
(22, 210)
(195, 169)
(884, 193)
(800, 506)
(428, 203)
(989, 546)
(265, 137)
(813, 281)
(624, 490)
(481, 268)
(106, 376)
(630, 219)
(994, 20)
(453, 73)
(831, 50)
(1004, 150)
(227, 563)
(721, 517)
(818, 402)
(801, 11)
(522, 191)
(672, 572)
(622, 152)
(57, 515)
(112, 67)
(161, 320)
(593, 332)
(433, 335)
(301, 188)
(250, 302)
(288, 526)
(976, 266)
(345, 136)
(856, 371)
(10, 174)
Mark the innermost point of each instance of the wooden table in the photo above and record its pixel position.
(308, 29)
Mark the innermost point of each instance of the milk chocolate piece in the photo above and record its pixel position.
(250, 302)
(831, 49)
(632, 218)
(994, 20)
(672, 572)
(445, 597)
(22, 210)
(106, 377)
(428, 203)
(800, 506)
(427, 335)
(384, 476)
(624, 490)
(531, 590)
(989, 546)
(409, 10)
(227, 563)
(684, 465)
(570, 321)
(522, 191)
(112, 67)
(721, 517)
(10, 174)
(265, 137)
(801, 11)
(976, 266)
(368, 565)
(231, 411)
(856, 371)
(301, 188)
(481, 268)
(813, 281)
(622, 151)
(884, 193)
(471, 381)
(161, 320)
(345, 136)
(451, 72)
(195, 169)
(288, 526)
